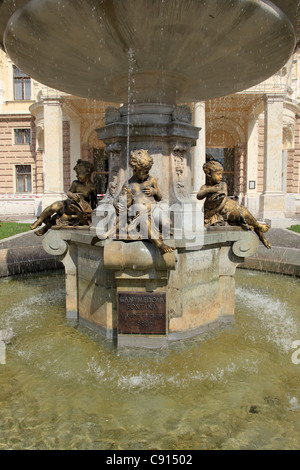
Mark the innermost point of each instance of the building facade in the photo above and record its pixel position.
(43, 133)
(255, 134)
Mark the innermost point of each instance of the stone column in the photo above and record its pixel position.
(199, 151)
(239, 169)
(75, 145)
(272, 199)
(53, 152)
(251, 197)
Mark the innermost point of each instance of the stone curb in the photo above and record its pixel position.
(26, 260)
(35, 259)
(277, 260)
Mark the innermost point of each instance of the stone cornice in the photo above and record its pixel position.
(172, 129)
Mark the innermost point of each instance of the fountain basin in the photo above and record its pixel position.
(187, 51)
(236, 388)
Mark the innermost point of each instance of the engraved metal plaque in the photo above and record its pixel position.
(142, 313)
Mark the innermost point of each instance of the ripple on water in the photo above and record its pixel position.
(235, 388)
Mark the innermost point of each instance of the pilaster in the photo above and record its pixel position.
(53, 151)
(272, 199)
(75, 145)
(199, 151)
(251, 196)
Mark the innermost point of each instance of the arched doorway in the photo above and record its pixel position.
(224, 136)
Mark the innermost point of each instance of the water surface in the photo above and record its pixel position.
(236, 388)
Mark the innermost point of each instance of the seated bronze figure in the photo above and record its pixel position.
(219, 209)
(77, 208)
(140, 193)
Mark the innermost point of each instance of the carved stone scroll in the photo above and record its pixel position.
(179, 164)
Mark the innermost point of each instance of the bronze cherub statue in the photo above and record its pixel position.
(77, 209)
(219, 209)
(140, 193)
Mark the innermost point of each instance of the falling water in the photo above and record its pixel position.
(297, 13)
(131, 63)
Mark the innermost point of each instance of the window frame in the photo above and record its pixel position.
(23, 135)
(23, 79)
(16, 175)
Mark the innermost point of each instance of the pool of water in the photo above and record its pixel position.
(236, 388)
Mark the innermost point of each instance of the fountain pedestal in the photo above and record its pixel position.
(127, 289)
(186, 52)
(183, 293)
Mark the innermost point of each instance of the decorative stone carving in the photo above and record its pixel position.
(180, 150)
(113, 151)
(112, 115)
(40, 136)
(245, 247)
(179, 168)
(120, 256)
(54, 244)
(182, 114)
(114, 148)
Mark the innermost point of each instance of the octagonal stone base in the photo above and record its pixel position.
(167, 298)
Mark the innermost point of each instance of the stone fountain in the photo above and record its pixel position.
(153, 56)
